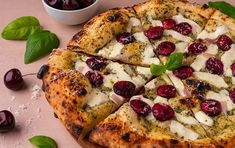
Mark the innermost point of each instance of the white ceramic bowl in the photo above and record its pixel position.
(72, 17)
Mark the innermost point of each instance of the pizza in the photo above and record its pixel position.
(103, 90)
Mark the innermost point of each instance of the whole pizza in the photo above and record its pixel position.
(120, 83)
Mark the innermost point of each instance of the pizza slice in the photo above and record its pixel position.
(150, 120)
(84, 90)
(172, 26)
(116, 34)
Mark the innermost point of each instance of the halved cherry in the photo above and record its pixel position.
(168, 23)
(183, 72)
(125, 38)
(224, 42)
(166, 91)
(95, 78)
(211, 107)
(183, 28)
(196, 48)
(96, 63)
(140, 107)
(154, 32)
(215, 66)
(165, 48)
(125, 89)
(162, 112)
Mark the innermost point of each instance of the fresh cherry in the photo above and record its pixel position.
(125, 89)
(215, 66)
(162, 112)
(183, 72)
(86, 3)
(125, 38)
(224, 42)
(168, 23)
(183, 28)
(166, 91)
(54, 3)
(140, 107)
(96, 63)
(165, 48)
(154, 32)
(95, 78)
(196, 48)
(211, 107)
(7, 121)
(13, 79)
(42, 71)
(70, 5)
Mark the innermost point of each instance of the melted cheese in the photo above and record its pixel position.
(212, 49)
(199, 63)
(149, 56)
(154, 22)
(186, 119)
(213, 79)
(150, 85)
(139, 36)
(116, 49)
(204, 119)
(166, 79)
(195, 27)
(228, 58)
(181, 47)
(144, 70)
(96, 98)
(81, 67)
(160, 99)
(213, 35)
(177, 35)
(133, 22)
(225, 95)
(181, 131)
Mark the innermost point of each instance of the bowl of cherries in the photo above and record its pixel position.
(71, 12)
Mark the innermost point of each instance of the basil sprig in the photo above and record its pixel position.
(224, 7)
(43, 142)
(21, 28)
(40, 44)
(174, 61)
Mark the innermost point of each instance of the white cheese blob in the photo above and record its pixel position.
(118, 100)
(195, 27)
(204, 119)
(181, 47)
(144, 70)
(150, 85)
(213, 79)
(140, 97)
(160, 99)
(96, 98)
(149, 56)
(212, 49)
(225, 95)
(133, 22)
(228, 58)
(213, 35)
(139, 36)
(186, 119)
(81, 67)
(181, 131)
(116, 49)
(177, 35)
(199, 63)
(166, 79)
(154, 22)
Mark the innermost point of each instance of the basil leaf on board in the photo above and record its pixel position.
(174, 61)
(224, 7)
(43, 142)
(40, 44)
(21, 28)
(157, 70)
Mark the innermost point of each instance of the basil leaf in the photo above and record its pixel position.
(224, 7)
(157, 70)
(174, 61)
(40, 44)
(21, 28)
(43, 142)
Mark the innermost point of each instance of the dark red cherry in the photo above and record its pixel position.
(125, 89)
(95, 78)
(70, 5)
(162, 112)
(215, 66)
(196, 48)
(183, 72)
(7, 121)
(166, 48)
(211, 107)
(183, 28)
(13, 79)
(154, 32)
(54, 3)
(166, 91)
(233, 69)
(86, 3)
(42, 71)
(125, 38)
(224, 42)
(232, 95)
(168, 23)
(140, 107)
(96, 63)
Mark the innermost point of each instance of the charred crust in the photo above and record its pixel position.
(77, 130)
(205, 6)
(81, 92)
(55, 115)
(114, 17)
(126, 137)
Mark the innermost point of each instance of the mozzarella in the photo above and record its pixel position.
(160, 99)
(150, 85)
(116, 49)
(154, 22)
(212, 49)
(140, 97)
(228, 59)
(133, 22)
(150, 117)
(118, 100)
(96, 97)
(177, 35)
(81, 67)
(195, 27)
(186, 119)
(144, 70)
(199, 63)
(213, 79)
(139, 36)
(181, 131)
(213, 35)
(181, 47)
(149, 56)
(166, 79)
(225, 95)
(204, 119)
(109, 80)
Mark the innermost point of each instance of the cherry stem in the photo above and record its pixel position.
(30, 74)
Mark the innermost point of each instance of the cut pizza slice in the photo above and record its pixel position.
(84, 90)
(116, 34)
(148, 120)
(172, 26)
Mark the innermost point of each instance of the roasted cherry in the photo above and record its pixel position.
(95, 78)
(125, 89)
(215, 66)
(165, 48)
(166, 91)
(233, 69)
(183, 72)
(211, 107)
(162, 112)
(196, 48)
(224, 42)
(168, 23)
(154, 32)
(96, 63)
(13, 79)
(125, 38)
(42, 71)
(7, 121)
(232, 95)
(183, 28)
(140, 107)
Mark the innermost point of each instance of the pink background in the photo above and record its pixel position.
(34, 116)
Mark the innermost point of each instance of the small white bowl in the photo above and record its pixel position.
(72, 17)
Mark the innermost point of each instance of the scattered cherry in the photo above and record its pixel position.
(42, 71)
(96, 63)
(183, 72)
(224, 42)
(183, 28)
(13, 79)
(196, 48)
(154, 32)
(95, 78)
(125, 38)
(215, 66)
(140, 107)
(7, 121)
(211, 107)
(125, 89)
(166, 91)
(162, 112)
(168, 23)
(233, 69)
(232, 95)
(165, 48)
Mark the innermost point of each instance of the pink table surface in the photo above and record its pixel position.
(34, 116)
